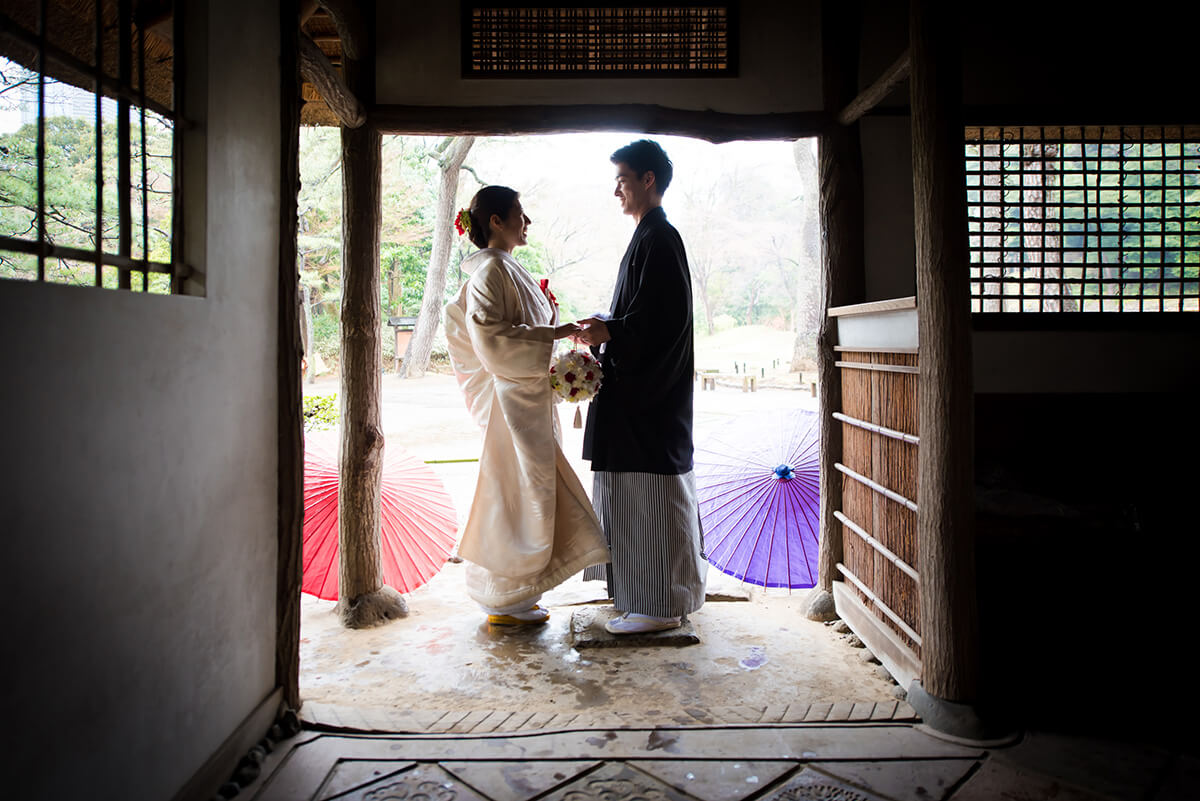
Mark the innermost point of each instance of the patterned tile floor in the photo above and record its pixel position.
(844, 761)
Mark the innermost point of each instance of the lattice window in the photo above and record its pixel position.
(88, 182)
(533, 41)
(1091, 219)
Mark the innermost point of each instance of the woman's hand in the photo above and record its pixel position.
(593, 331)
(565, 330)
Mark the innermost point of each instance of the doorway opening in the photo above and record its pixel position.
(747, 212)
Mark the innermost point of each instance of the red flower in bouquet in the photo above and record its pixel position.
(575, 376)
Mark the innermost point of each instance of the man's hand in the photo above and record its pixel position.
(566, 330)
(592, 331)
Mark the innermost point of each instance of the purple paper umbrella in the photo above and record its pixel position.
(758, 485)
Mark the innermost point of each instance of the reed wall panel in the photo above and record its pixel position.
(857, 449)
(887, 398)
(857, 502)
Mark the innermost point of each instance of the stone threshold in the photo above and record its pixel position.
(332, 717)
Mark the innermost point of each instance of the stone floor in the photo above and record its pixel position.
(757, 651)
(767, 705)
(745, 656)
(865, 761)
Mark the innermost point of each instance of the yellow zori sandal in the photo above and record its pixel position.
(536, 614)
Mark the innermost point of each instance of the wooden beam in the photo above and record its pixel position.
(351, 25)
(306, 9)
(289, 347)
(712, 126)
(317, 70)
(896, 656)
(945, 461)
(874, 94)
(874, 306)
(843, 279)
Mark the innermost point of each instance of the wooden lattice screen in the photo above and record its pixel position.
(533, 41)
(1089, 219)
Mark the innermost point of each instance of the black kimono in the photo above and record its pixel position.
(641, 421)
(639, 432)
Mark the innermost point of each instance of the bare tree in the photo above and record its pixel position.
(806, 318)
(707, 245)
(451, 154)
(563, 246)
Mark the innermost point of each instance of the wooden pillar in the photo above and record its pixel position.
(945, 462)
(363, 600)
(290, 491)
(839, 170)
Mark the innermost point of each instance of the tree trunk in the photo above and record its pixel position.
(804, 322)
(392, 305)
(363, 600)
(306, 332)
(700, 279)
(945, 459)
(839, 165)
(416, 358)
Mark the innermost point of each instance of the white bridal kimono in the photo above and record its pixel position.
(531, 525)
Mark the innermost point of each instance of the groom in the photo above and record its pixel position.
(639, 426)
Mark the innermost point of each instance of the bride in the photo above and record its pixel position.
(531, 525)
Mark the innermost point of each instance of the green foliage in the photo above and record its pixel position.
(320, 412)
(723, 322)
(70, 193)
(403, 268)
(326, 336)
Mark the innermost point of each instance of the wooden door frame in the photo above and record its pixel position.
(713, 126)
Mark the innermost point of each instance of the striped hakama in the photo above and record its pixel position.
(655, 542)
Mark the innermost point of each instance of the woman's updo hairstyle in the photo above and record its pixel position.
(490, 200)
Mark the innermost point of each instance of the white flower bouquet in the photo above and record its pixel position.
(575, 376)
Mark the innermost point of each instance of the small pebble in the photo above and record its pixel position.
(246, 772)
(290, 723)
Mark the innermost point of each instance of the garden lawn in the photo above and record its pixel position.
(756, 346)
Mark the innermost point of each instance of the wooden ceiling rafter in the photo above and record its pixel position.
(70, 43)
(329, 33)
(328, 82)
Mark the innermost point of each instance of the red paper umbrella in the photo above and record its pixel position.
(417, 527)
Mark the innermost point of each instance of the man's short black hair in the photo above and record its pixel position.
(645, 156)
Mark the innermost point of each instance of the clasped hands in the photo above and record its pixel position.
(588, 331)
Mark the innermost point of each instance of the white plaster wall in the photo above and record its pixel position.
(419, 64)
(139, 511)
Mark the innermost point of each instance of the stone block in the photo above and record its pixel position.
(587, 631)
